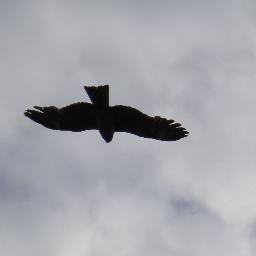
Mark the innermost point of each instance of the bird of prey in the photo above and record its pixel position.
(98, 115)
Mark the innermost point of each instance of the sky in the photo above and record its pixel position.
(64, 193)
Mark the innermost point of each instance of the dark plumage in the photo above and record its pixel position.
(100, 116)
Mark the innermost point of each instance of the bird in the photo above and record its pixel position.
(99, 115)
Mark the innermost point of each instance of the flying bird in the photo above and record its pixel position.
(98, 115)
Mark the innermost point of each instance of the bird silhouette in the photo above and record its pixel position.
(98, 115)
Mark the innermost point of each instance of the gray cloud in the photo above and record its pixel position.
(72, 194)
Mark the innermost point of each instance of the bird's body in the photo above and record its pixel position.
(99, 97)
(107, 119)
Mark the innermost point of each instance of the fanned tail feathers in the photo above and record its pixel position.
(99, 96)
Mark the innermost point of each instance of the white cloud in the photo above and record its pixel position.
(66, 193)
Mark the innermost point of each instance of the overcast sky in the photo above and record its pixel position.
(66, 194)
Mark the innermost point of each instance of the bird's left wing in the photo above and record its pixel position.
(131, 120)
(75, 117)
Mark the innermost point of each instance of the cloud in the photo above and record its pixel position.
(67, 193)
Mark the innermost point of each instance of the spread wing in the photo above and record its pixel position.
(131, 120)
(75, 117)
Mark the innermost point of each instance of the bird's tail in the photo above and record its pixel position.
(99, 95)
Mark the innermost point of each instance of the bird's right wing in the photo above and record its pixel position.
(75, 117)
(131, 120)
